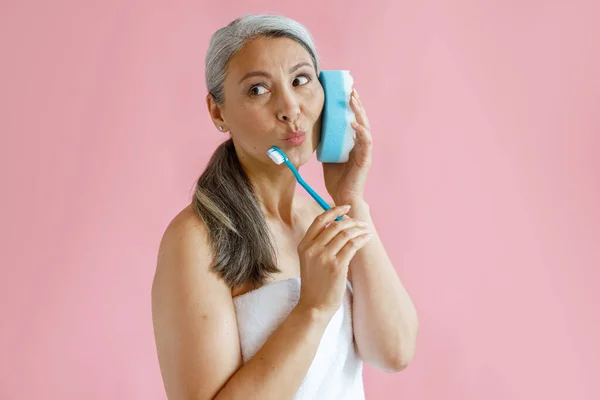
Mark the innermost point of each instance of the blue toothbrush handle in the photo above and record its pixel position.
(310, 190)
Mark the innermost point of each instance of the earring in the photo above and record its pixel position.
(220, 128)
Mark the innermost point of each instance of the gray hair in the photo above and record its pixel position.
(242, 245)
(230, 39)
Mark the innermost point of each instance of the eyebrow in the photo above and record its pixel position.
(266, 75)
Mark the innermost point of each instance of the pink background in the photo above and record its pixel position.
(485, 184)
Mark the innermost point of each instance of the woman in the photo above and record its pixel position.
(258, 293)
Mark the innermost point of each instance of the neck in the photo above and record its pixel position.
(274, 186)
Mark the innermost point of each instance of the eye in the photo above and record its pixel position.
(256, 90)
(302, 79)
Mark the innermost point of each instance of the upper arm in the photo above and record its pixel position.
(194, 320)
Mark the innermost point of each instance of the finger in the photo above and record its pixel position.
(343, 238)
(364, 143)
(324, 219)
(347, 252)
(364, 134)
(359, 110)
(334, 228)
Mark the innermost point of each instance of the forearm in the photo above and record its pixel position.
(385, 319)
(278, 368)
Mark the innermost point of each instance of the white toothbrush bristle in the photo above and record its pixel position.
(275, 156)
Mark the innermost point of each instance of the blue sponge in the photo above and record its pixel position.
(336, 132)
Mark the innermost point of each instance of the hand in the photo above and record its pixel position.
(345, 182)
(325, 253)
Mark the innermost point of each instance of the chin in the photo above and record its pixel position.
(300, 155)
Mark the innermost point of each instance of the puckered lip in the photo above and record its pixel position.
(294, 134)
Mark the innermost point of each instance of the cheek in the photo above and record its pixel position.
(316, 104)
(317, 100)
(244, 114)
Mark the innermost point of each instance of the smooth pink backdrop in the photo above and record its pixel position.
(485, 184)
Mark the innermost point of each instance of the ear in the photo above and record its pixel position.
(215, 112)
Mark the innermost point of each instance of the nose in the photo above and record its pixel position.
(288, 108)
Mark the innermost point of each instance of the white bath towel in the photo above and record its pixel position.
(336, 371)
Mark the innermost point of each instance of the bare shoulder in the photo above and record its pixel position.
(185, 232)
(193, 314)
(184, 249)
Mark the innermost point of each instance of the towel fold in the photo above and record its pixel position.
(336, 370)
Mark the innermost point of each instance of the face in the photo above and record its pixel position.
(273, 98)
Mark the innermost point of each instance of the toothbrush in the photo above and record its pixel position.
(279, 157)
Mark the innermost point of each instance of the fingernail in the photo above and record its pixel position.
(356, 93)
(347, 207)
(361, 223)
